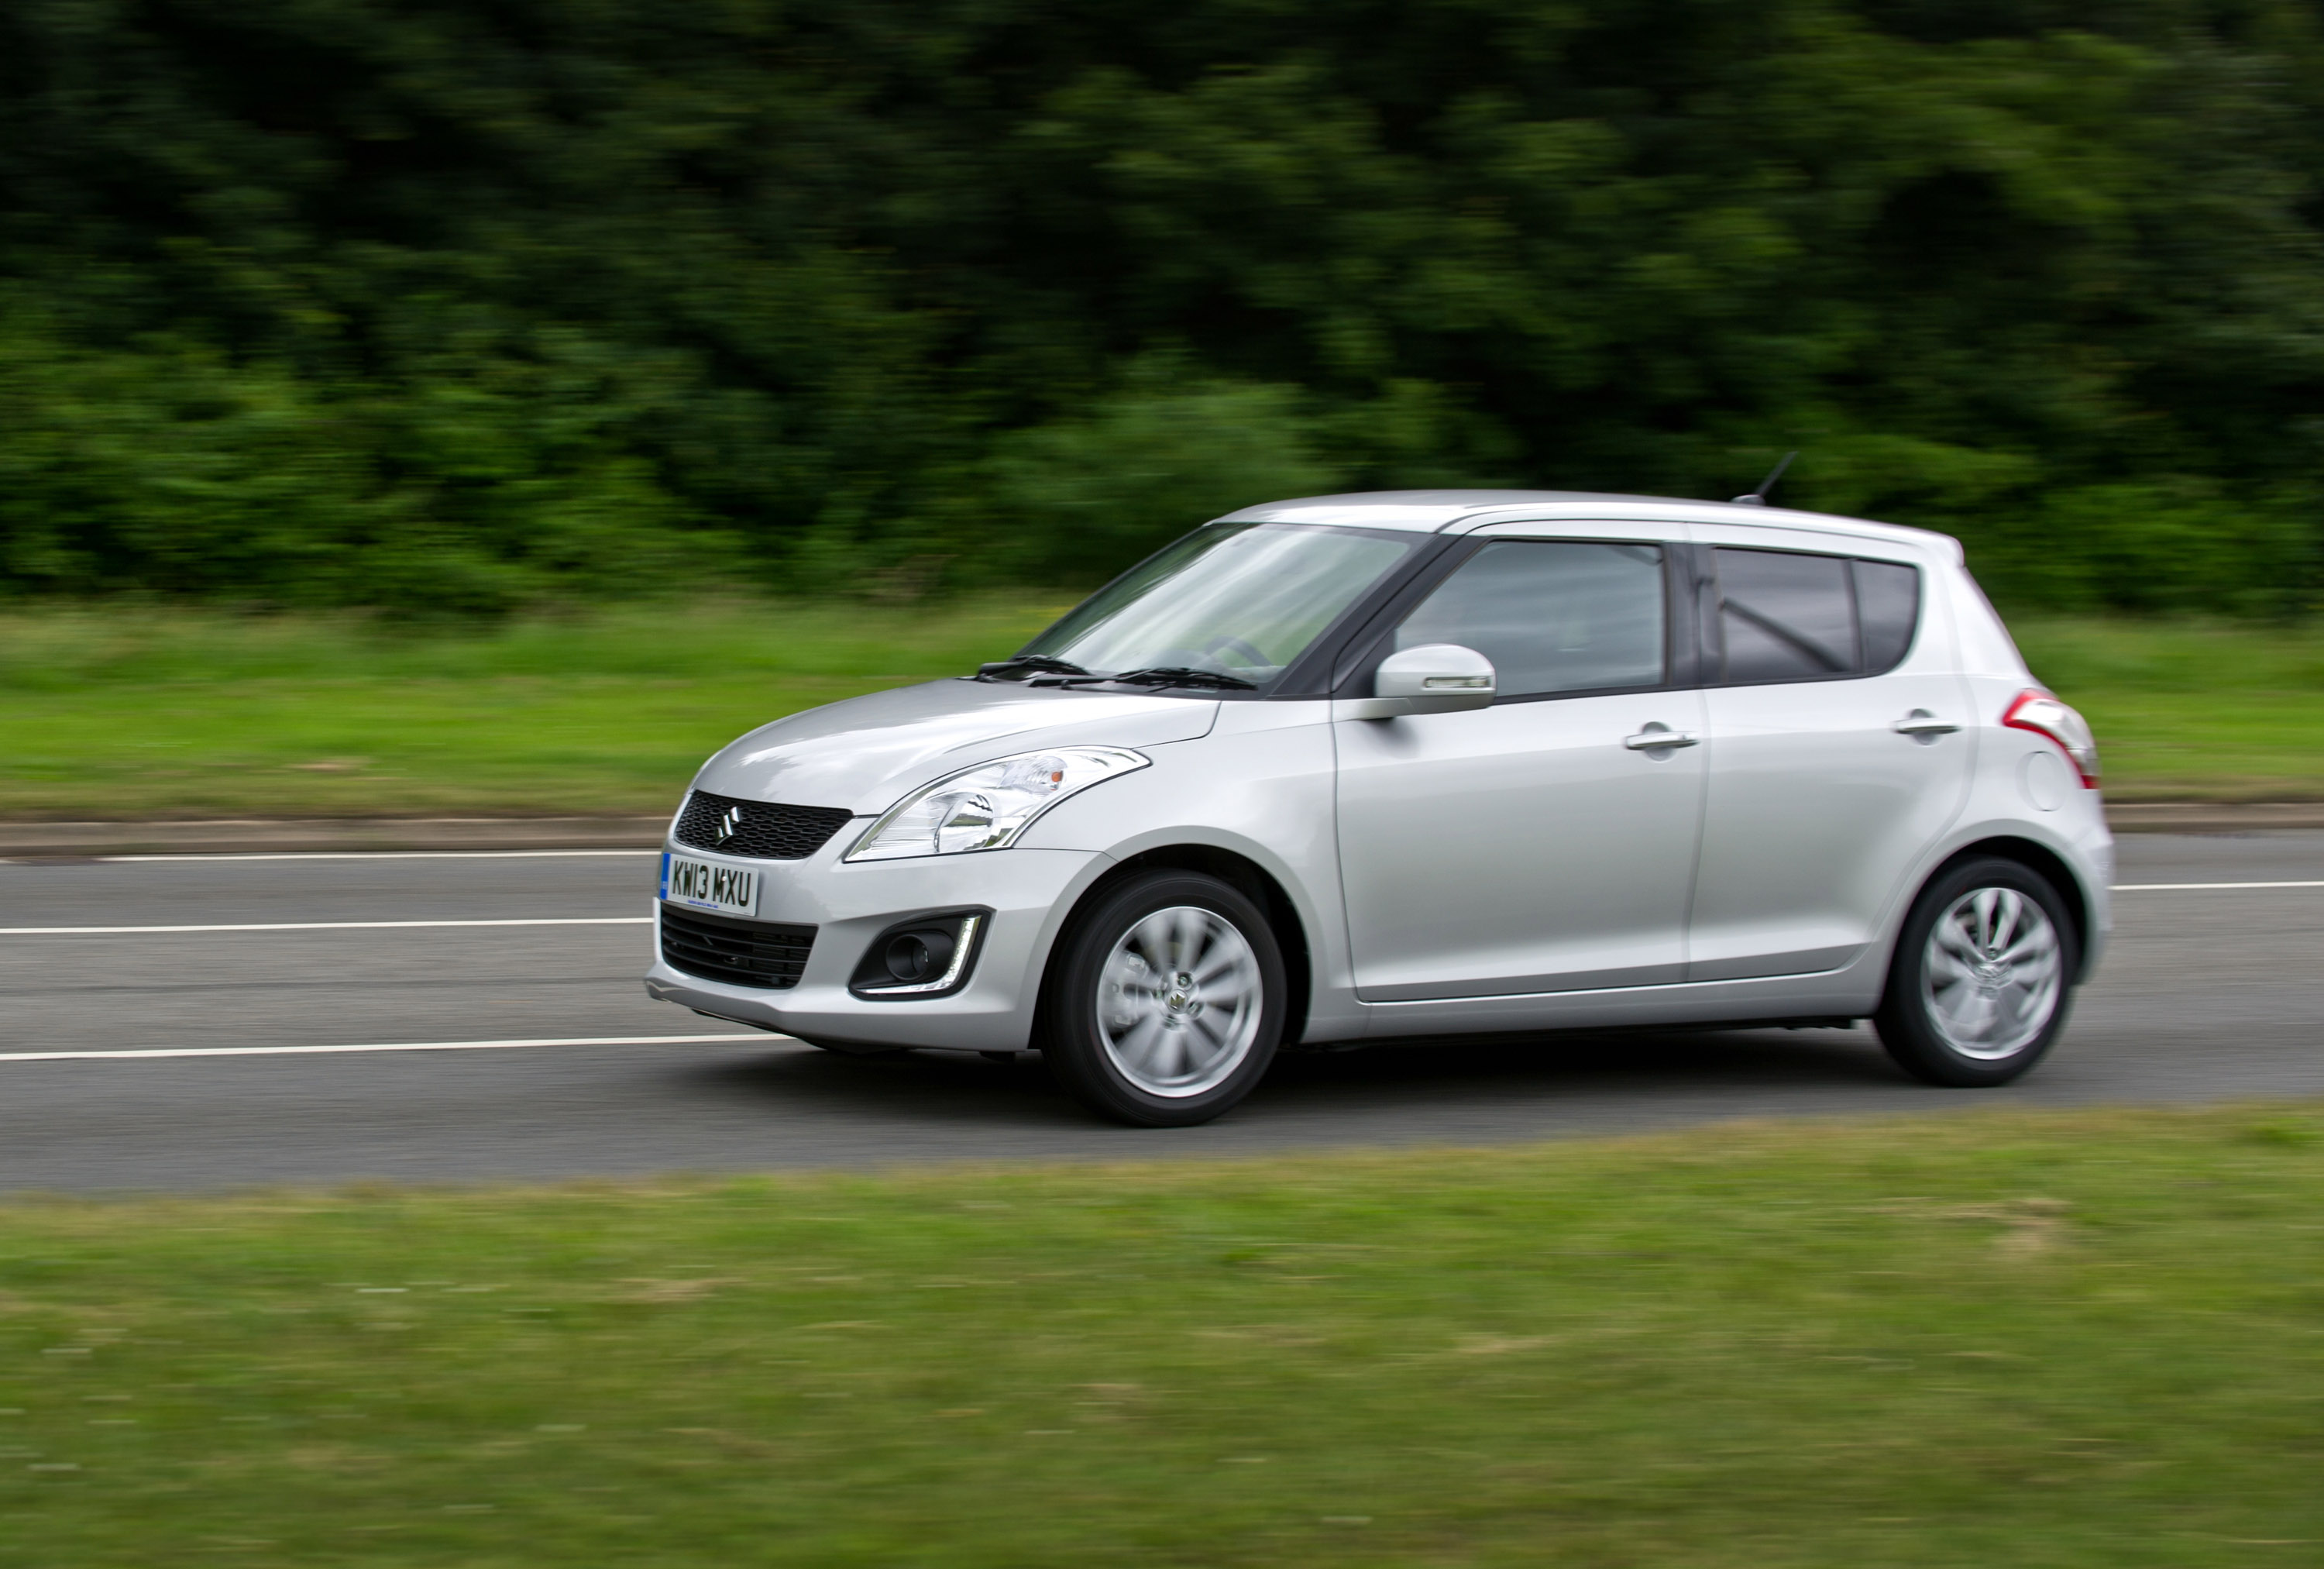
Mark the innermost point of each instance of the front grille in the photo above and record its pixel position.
(742, 953)
(761, 830)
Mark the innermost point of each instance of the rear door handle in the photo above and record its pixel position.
(1654, 738)
(1920, 722)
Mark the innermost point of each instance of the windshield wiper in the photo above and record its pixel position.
(1027, 665)
(1170, 676)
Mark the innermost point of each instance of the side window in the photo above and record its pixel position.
(1788, 616)
(1888, 607)
(1785, 617)
(1553, 616)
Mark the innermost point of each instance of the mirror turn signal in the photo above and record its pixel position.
(1432, 679)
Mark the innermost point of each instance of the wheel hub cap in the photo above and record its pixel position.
(1182, 1002)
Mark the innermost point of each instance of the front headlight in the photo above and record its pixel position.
(987, 807)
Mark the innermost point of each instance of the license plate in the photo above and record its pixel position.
(706, 885)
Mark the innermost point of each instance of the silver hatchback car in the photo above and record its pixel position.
(1422, 763)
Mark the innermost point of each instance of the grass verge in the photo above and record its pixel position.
(187, 714)
(2062, 1340)
(2191, 710)
(139, 713)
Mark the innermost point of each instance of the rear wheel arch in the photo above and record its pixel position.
(1982, 977)
(2041, 860)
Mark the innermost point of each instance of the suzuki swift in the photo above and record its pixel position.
(1431, 763)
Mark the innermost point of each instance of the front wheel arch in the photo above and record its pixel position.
(1157, 1052)
(1238, 872)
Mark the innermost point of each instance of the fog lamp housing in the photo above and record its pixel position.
(928, 955)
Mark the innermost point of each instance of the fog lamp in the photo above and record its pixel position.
(925, 956)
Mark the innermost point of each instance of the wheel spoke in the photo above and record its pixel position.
(1136, 1048)
(1192, 936)
(2034, 947)
(2008, 1012)
(2018, 1004)
(1168, 1059)
(1983, 914)
(1152, 940)
(1947, 966)
(1213, 1032)
(2008, 908)
(1955, 939)
(1227, 953)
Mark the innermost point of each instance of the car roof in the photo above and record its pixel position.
(1436, 512)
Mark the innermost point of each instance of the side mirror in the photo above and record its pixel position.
(1433, 678)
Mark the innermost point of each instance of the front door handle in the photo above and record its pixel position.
(1920, 722)
(1659, 738)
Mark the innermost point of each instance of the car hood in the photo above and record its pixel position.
(863, 754)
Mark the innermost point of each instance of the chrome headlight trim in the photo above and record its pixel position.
(989, 805)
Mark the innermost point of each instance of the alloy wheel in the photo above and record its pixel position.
(1179, 1001)
(1993, 974)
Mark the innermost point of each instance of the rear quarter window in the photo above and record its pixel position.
(1887, 611)
(1791, 615)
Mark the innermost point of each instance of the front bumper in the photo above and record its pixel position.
(1028, 893)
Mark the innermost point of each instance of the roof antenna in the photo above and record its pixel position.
(1759, 498)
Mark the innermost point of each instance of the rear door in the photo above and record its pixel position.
(1840, 745)
(1540, 844)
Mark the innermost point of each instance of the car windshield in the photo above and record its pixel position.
(1238, 600)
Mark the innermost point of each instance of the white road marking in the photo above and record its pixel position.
(152, 1051)
(315, 925)
(372, 855)
(2173, 886)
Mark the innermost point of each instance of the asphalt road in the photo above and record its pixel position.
(2209, 993)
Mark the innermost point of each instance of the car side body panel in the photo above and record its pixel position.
(1819, 808)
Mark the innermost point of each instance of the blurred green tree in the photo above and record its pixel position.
(457, 303)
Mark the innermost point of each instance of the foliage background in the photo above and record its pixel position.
(461, 304)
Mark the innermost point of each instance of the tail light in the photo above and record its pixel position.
(2043, 714)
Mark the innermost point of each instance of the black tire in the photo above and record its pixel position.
(1206, 1052)
(1928, 1015)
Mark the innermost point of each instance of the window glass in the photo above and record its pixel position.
(1888, 605)
(1553, 616)
(1240, 599)
(1785, 617)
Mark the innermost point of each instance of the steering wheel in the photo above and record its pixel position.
(1237, 646)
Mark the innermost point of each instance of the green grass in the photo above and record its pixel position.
(2090, 1339)
(183, 714)
(122, 712)
(2191, 710)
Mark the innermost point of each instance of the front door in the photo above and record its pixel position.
(1831, 766)
(1546, 843)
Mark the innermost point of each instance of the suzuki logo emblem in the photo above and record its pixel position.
(730, 824)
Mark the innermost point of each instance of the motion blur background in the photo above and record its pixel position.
(422, 408)
(472, 306)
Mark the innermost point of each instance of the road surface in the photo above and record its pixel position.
(2209, 992)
